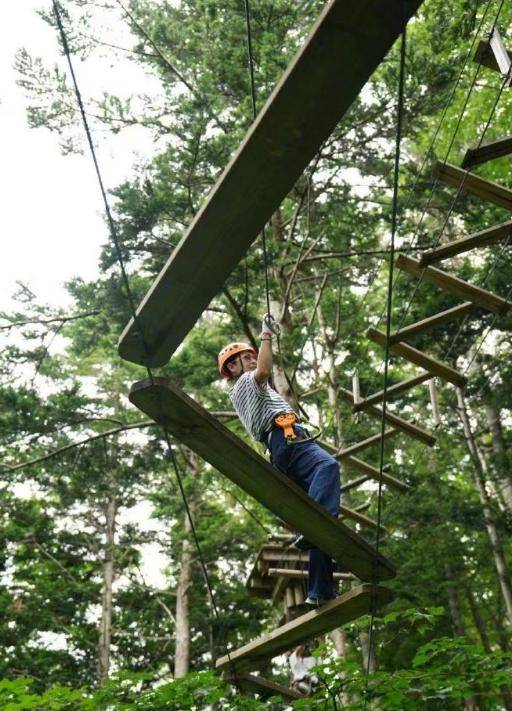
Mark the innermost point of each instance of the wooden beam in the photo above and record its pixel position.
(400, 424)
(252, 684)
(364, 444)
(494, 55)
(431, 322)
(358, 517)
(349, 606)
(301, 574)
(374, 473)
(354, 483)
(391, 391)
(210, 439)
(490, 150)
(491, 235)
(454, 285)
(435, 367)
(474, 184)
(308, 102)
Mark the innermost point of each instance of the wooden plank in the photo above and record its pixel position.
(354, 483)
(252, 684)
(358, 517)
(349, 606)
(312, 96)
(491, 235)
(501, 55)
(431, 322)
(485, 56)
(435, 367)
(301, 574)
(211, 440)
(391, 391)
(474, 184)
(400, 424)
(454, 285)
(373, 473)
(490, 150)
(364, 444)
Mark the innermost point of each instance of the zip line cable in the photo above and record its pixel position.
(394, 212)
(129, 294)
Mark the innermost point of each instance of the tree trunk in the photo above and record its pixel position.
(501, 460)
(182, 624)
(479, 478)
(453, 602)
(105, 636)
(477, 619)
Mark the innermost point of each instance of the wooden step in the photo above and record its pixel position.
(374, 473)
(314, 93)
(493, 54)
(484, 189)
(490, 150)
(454, 285)
(391, 391)
(252, 684)
(491, 235)
(210, 439)
(346, 608)
(417, 357)
(400, 424)
(364, 444)
(431, 322)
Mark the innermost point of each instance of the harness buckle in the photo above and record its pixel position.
(286, 422)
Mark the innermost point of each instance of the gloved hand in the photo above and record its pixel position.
(266, 326)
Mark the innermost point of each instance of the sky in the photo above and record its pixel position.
(52, 213)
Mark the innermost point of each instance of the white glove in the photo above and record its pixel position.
(266, 330)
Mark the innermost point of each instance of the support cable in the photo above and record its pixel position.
(131, 301)
(389, 305)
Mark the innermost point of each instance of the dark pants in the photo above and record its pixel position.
(318, 474)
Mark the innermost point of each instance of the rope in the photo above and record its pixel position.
(129, 294)
(400, 112)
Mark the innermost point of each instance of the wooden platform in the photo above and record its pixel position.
(198, 430)
(349, 606)
(345, 46)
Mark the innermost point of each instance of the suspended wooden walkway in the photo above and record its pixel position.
(349, 606)
(346, 44)
(197, 429)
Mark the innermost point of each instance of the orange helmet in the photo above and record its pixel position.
(228, 352)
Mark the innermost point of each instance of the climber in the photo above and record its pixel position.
(306, 463)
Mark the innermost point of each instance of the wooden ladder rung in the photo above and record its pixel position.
(480, 239)
(431, 322)
(354, 483)
(374, 473)
(435, 367)
(359, 446)
(391, 391)
(358, 517)
(454, 285)
(493, 54)
(197, 429)
(397, 422)
(349, 606)
(486, 152)
(484, 189)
